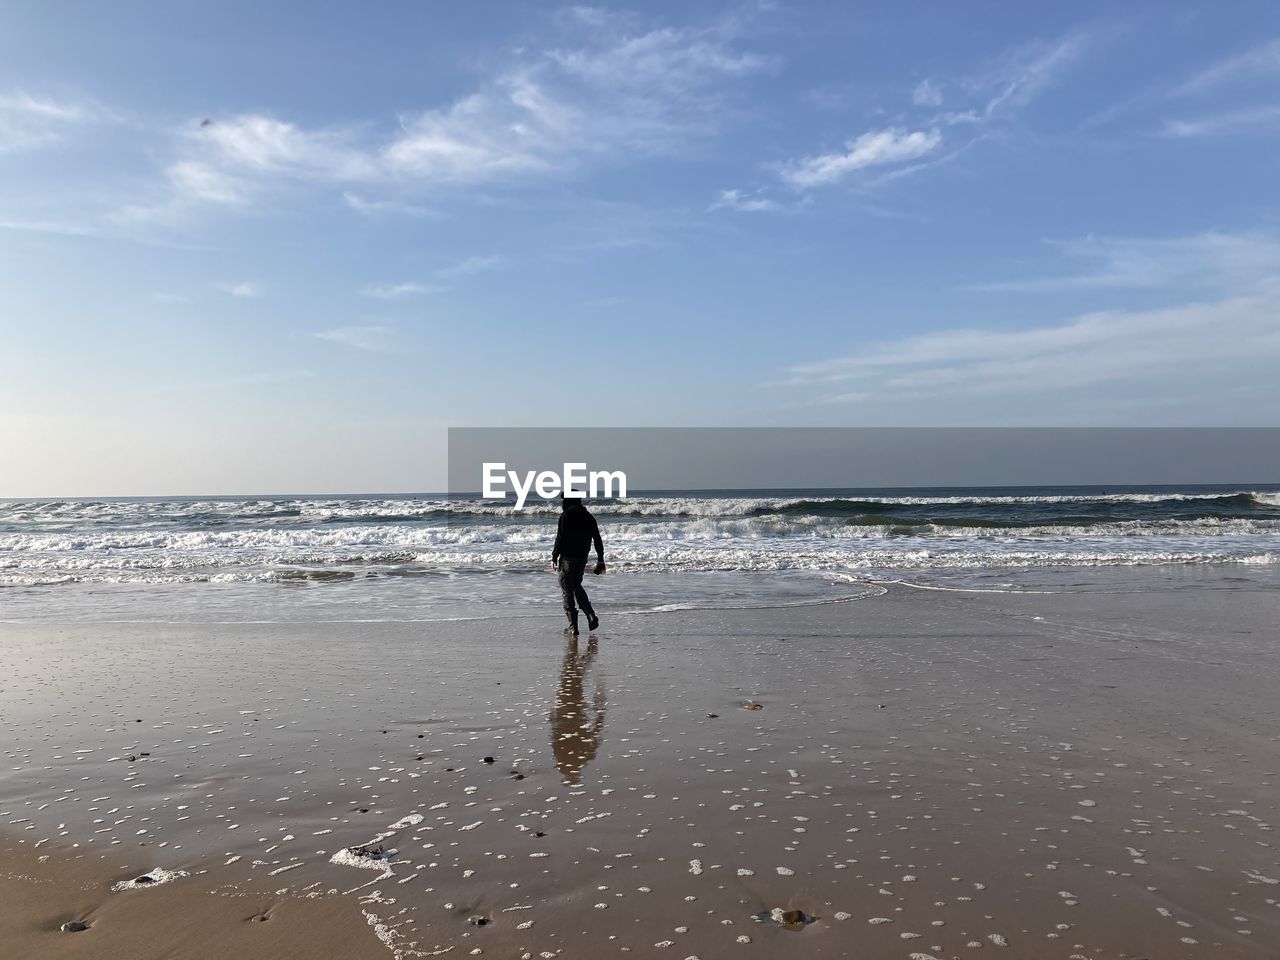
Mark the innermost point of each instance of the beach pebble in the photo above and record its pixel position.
(778, 915)
(74, 926)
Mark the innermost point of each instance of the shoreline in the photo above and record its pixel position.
(1049, 770)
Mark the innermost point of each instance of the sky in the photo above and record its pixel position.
(282, 247)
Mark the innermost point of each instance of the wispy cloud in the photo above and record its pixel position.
(455, 271)
(619, 89)
(993, 95)
(1013, 81)
(28, 122)
(1231, 121)
(243, 289)
(872, 149)
(395, 291)
(599, 87)
(379, 207)
(1227, 76)
(927, 94)
(1257, 61)
(253, 142)
(1214, 261)
(677, 62)
(1229, 333)
(61, 228)
(205, 183)
(745, 203)
(371, 337)
(469, 266)
(1170, 350)
(513, 128)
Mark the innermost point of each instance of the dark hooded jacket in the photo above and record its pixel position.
(577, 533)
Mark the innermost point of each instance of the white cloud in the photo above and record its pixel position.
(243, 289)
(1259, 60)
(874, 148)
(372, 337)
(1252, 118)
(469, 266)
(677, 61)
(619, 90)
(1200, 348)
(607, 87)
(195, 181)
(61, 228)
(514, 128)
(463, 268)
(744, 203)
(1220, 262)
(255, 142)
(370, 207)
(28, 123)
(927, 94)
(1022, 75)
(394, 291)
(996, 94)
(1165, 352)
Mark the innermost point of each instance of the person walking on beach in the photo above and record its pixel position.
(576, 533)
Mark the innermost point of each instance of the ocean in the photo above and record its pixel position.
(435, 557)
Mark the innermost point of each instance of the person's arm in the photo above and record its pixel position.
(599, 545)
(555, 551)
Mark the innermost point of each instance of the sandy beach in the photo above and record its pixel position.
(918, 774)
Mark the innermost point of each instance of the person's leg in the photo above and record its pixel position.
(585, 603)
(564, 573)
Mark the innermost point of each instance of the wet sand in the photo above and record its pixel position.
(919, 774)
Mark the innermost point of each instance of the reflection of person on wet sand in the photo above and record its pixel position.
(575, 727)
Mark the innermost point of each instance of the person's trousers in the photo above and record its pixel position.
(570, 572)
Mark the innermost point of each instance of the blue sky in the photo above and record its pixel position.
(253, 247)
